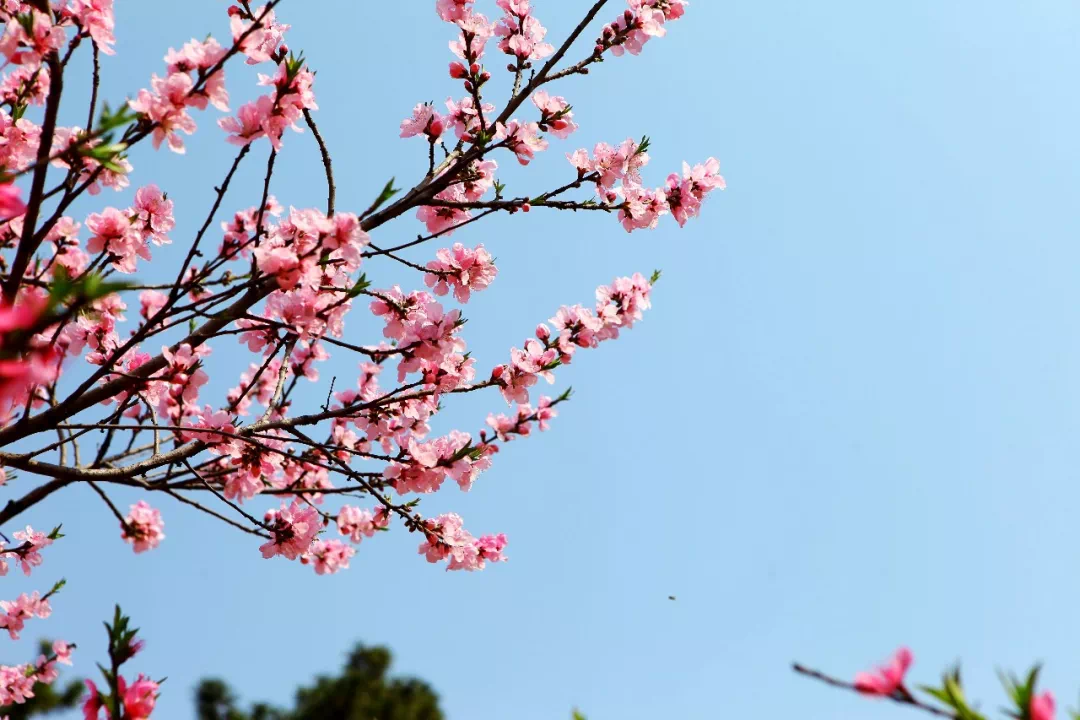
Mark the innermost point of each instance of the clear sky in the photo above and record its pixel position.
(849, 422)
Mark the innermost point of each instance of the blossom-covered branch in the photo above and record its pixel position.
(280, 282)
(946, 699)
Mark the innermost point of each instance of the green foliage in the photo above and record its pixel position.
(951, 693)
(362, 691)
(388, 192)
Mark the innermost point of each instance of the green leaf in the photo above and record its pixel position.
(388, 192)
(655, 277)
(361, 285)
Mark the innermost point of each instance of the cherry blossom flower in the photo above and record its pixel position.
(293, 527)
(447, 539)
(113, 233)
(1042, 706)
(96, 17)
(11, 205)
(888, 678)
(556, 114)
(262, 43)
(424, 120)
(461, 268)
(328, 556)
(143, 527)
(453, 10)
(139, 697)
(153, 214)
(18, 611)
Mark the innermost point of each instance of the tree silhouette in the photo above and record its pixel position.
(363, 691)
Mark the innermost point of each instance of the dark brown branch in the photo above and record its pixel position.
(904, 698)
(27, 245)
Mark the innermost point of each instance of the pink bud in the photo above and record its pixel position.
(542, 332)
(474, 68)
(526, 207)
(458, 71)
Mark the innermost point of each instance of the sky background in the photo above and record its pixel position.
(849, 422)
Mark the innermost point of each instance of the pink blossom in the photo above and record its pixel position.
(143, 527)
(151, 302)
(262, 43)
(26, 83)
(475, 32)
(139, 697)
(11, 205)
(524, 140)
(113, 233)
(248, 125)
(888, 678)
(17, 612)
(453, 10)
(1042, 706)
(30, 557)
(685, 194)
(643, 208)
(293, 527)
(329, 556)
(464, 116)
(424, 120)
(16, 684)
(461, 268)
(153, 214)
(96, 17)
(447, 539)
(62, 650)
(522, 34)
(165, 106)
(556, 114)
(356, 523)
(94, 702)
(30, 48)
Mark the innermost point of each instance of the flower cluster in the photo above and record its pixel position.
(618, 306)
(122, 235)
(617, 173)
(447, 539)
(464, 270)
(430, 463)
(293, 528)
(165, 104)
(23, 608)
(17, 681)
(271, 114)
(282, 280)
(644, 20)
(28, 550)
(522, 34)
(143, 527)
(25, 362)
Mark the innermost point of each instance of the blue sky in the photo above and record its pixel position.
(849, 422)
